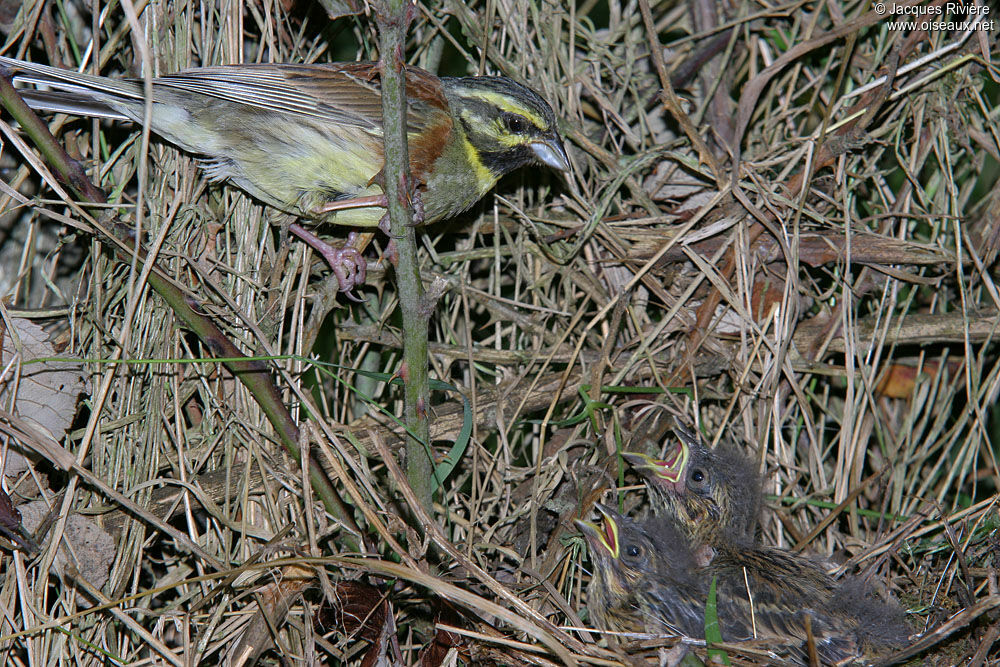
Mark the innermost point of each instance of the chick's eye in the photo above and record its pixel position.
(633, 551)
(515, 124)
(698, 476)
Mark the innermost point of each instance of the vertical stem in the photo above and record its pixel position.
(392, 18)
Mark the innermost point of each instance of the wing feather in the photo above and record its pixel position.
(345, 94)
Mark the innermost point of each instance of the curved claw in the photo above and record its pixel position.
(347, 263)
(349, 266)
(391, 252)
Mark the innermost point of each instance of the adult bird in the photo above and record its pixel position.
(307, 139)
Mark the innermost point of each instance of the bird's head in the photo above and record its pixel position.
(713, 494)
(506, 125)
(645, 576)
(619, 550)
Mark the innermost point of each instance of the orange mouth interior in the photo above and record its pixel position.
(672, 467)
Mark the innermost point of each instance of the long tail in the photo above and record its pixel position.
(75, 93)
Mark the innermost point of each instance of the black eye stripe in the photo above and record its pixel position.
(515, 123)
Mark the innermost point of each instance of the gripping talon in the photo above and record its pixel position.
(347, 263)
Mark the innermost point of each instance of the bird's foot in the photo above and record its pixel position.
(417, 205)
(384, 225)
(418, 208)
(347, 263)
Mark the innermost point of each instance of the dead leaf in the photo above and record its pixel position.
(93, 550)
(275, 600)
(45, 393)
(361, 610)
(336, 9)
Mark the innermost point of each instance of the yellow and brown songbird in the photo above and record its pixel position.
(307, 139)
(646, 578)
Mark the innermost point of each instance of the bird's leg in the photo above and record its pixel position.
(390, 253)
(353, 202)
(418, 215)
(348, 263)
(383, 224)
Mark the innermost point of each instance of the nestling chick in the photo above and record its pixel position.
(627, 560)
(715, 495)
(646, 578)
(712, 497)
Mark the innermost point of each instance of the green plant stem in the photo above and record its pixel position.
(392, 18)
(254, 375)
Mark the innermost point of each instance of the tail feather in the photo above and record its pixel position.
(69, 102)
(75, 92)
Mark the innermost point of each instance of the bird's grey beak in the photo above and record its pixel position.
(550, 151)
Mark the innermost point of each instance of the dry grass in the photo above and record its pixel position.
(835, 313)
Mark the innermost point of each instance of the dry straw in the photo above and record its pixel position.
(781, 223)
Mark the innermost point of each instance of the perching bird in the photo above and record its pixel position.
(715, 494)
(646, 578)
(307, 139)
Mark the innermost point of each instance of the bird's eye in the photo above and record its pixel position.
(698, 476)
(515, 124)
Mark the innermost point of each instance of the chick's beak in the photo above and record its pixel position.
(591, 532)
(606, 538)
(549, 150)
(669, 470)
(610, 537)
